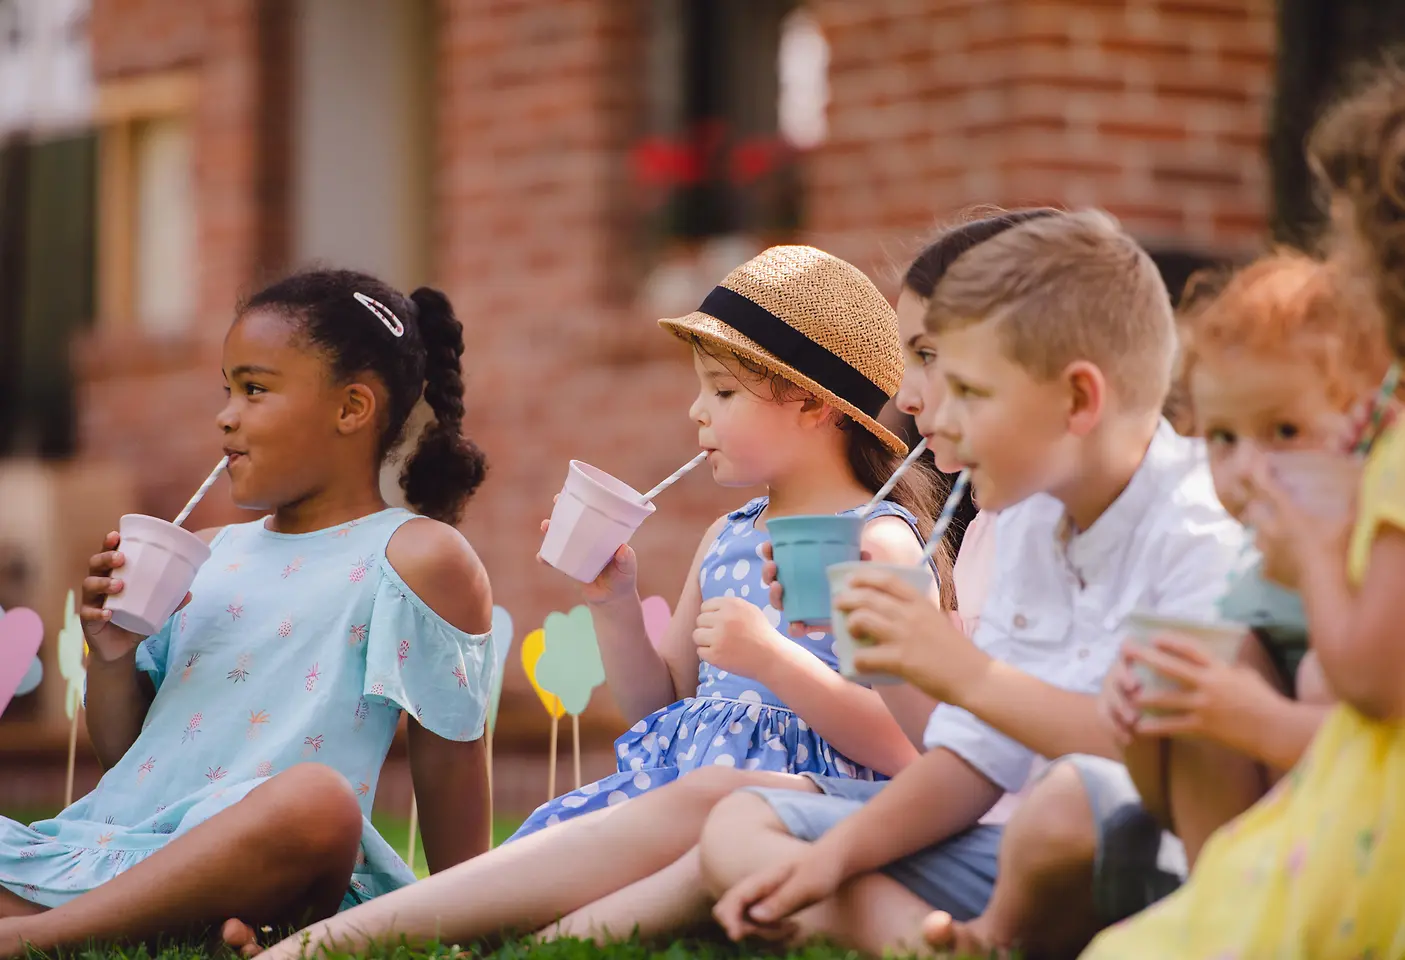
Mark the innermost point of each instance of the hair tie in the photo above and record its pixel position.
(383, 313)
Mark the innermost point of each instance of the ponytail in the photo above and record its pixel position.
(445, 468)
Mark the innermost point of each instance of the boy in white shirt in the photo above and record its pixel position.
(1055, 342)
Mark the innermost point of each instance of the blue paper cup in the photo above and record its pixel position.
(804, 547)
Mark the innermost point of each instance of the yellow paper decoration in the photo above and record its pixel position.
(533, 645)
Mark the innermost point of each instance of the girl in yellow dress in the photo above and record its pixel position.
(1316, 870)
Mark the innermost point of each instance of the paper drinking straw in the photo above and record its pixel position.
(1379, 407)
(887, 488)
(958, 493)
(674, 477)
(204, 489)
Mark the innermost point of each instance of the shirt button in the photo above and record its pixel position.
(1021, 621)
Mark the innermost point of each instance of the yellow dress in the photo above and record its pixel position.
(1316, 869)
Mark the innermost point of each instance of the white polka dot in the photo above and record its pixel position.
(773, 616)
(718, 741)
(730, 592)
(615, 798)
(775, 744)
(636, 763)
(799, 722)
(719, 573)
(692, 752)
(552, 820)
(639, 727)
(753, 712)
(739, 528)
(735, 728)
(749, 696)
(643, 781)
(817, 635)
(648, 742)
(802, 753)
(573, 802)
(683, 732)
(663, 743)
(752, 763)
(742, 568)
(847, 769)
(726, 760)
(590, 789)
(746, 590)
(759, 554)
(722, 674)
(623, 750)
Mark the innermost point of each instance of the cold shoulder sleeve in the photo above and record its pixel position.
(421, 663)
(153, 652)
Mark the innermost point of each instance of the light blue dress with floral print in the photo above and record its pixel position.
(732, 721)
(294, 648)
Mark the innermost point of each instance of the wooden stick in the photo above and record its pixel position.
(576, 747)
(414, 830)
(551, 771)
(72, 757)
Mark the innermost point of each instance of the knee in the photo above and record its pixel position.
(1054, 825)
(729, 835)
(315, 808)
(707, 786)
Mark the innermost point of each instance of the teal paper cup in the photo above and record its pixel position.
(804, 547)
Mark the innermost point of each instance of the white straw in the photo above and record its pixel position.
(674, 477)
(958, 493)
(204, 489)
(887, 488)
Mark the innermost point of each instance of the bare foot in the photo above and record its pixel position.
(959, 939)
(241, 938)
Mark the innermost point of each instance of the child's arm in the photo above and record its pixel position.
(1355, 632)
(450, 776)
(641, 679)
(935, 797)
(118, 694)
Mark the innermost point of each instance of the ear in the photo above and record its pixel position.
(1087, 396)
(815, 412)
(358, 409)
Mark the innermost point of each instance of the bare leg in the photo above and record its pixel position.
(1210, 785)
(534, 881)
(13, 906)
(873, 913)
(284, 852)
(1043, 899)
(668, 901)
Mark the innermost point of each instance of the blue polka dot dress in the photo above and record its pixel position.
(732, 721)
(294, 649)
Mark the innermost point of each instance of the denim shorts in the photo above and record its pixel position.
(956, 875)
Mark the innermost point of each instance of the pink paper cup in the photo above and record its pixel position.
(845, 644)
(593, 517)
(162, 560)
(1223, 640)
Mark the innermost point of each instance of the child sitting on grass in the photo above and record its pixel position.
(1269, 364)
(1313, 870)
(1054, 344)
(243, 742)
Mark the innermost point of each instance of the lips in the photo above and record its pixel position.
(234, 455)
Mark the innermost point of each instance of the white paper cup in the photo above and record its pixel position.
(594, 515)
(162, 560)
(1222, 639)
(1324, 484)
(839, 575)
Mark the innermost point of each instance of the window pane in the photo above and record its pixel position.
(165, 228)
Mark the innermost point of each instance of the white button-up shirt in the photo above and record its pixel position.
(1057, 598)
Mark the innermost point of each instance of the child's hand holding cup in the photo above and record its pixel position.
(130, 593)
(1222, 640)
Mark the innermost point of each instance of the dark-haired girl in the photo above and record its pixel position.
(244, 741)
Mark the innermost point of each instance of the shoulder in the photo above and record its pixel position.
(438, 564)
(889, 539)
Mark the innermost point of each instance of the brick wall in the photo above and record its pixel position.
(1154, 109)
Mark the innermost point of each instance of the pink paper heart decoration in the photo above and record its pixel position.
(21, 635)
(656, 618)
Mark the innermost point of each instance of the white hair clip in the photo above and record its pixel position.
(383, 313)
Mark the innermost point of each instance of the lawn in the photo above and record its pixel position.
(396, 831)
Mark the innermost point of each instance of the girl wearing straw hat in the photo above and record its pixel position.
(796, 354)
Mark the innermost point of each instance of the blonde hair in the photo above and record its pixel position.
(1066, 288)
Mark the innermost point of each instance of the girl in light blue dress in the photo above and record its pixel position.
(243, 742)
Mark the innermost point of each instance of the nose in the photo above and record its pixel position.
(698, 411)
(909, 397)
(227, 419)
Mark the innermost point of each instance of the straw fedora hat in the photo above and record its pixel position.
(813, 319)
